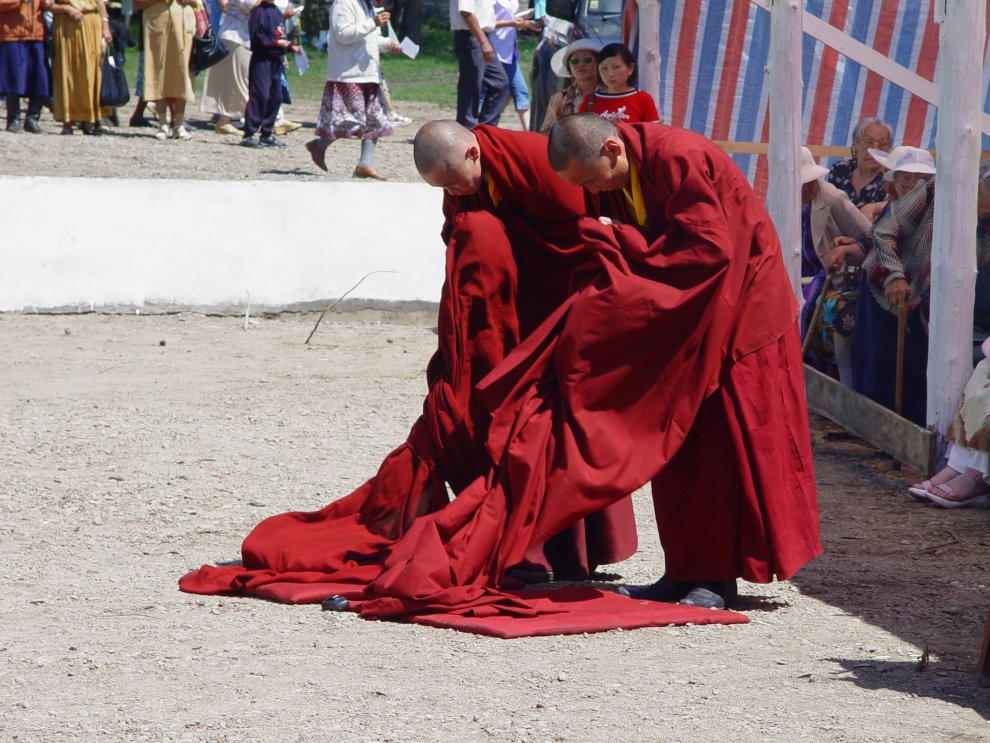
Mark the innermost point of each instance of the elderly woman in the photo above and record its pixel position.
(352, 104)
(23, 72)
(826, 213)
(168, 33)
(575, 61)
(860, 176)
(78, 29)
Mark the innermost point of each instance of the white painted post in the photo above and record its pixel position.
(950, 351)
(784, 147)
(648, 62)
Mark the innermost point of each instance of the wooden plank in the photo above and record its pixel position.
(875, 424)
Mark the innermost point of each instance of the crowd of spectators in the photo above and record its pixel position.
(867, 281)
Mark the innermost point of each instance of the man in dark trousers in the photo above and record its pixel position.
(266, 28)
(734, 489)
(482, 85)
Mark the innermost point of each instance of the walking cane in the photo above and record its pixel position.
(816, 317)
(899, 374)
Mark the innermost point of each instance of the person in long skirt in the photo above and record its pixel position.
(23, 71)
(77, 29)
(352, 104)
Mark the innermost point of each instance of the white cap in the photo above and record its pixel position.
(911, 160)
(810, 170)
(558, 62)
(885, 159)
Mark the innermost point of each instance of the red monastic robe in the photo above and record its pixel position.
(736, 495)
(508, 267)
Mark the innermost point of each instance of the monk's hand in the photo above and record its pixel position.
(74, 14)
(605, 220)
(897, 293)
(381, 19)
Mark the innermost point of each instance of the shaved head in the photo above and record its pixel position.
(441, 144)
(578, 137)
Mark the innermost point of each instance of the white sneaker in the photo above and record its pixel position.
(163, 133)
(180, 132)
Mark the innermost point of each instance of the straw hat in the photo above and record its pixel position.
(558, 62)
(810, 170)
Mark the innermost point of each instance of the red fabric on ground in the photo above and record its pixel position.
(585, 609)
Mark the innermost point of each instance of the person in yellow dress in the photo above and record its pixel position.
(80, 28)
(168, 33)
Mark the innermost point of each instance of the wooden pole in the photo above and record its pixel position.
(648, 61)
(784, 151)
(899, 373)
(950, 353)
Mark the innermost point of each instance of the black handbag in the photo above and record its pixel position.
(113, 88)
(207, 50)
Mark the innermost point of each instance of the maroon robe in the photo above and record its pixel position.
(736, 496)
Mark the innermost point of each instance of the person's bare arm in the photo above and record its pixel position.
(487, 51)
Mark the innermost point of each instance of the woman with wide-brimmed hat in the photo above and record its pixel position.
(575, 61)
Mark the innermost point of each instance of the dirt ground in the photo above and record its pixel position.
(133, 448)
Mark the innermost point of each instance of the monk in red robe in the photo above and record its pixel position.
(734, 494)
(506, 174)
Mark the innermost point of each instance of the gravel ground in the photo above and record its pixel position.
(135, 448)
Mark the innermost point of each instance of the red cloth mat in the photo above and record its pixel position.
(570, 610)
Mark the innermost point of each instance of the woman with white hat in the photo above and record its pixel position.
(897, 278)
(576, 61)
(826, 213)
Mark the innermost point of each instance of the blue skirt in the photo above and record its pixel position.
(23, 71)
(874, 357)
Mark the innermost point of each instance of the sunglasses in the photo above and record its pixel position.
(575, 61)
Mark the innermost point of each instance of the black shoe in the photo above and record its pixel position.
(31, 125)
(248, 140)
(14, 126)
(665, 589)
(269, 140)
(711, 594)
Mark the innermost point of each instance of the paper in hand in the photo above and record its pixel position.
(409, 47)
(302, 61)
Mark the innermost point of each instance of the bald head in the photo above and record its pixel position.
(587, 151)
(441, 144)
(578, 137)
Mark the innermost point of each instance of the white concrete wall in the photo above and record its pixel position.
(69, 241)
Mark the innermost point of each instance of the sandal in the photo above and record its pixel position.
(946, 496)
(920, 491)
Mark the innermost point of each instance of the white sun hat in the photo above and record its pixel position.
(886, 159)
(558, 62)
(810, 170)
(908, 160)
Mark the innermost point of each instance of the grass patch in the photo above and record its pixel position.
(430, 78)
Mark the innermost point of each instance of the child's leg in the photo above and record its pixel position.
(274, 101)
(258, 87)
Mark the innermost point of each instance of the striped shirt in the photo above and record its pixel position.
(902, 248)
